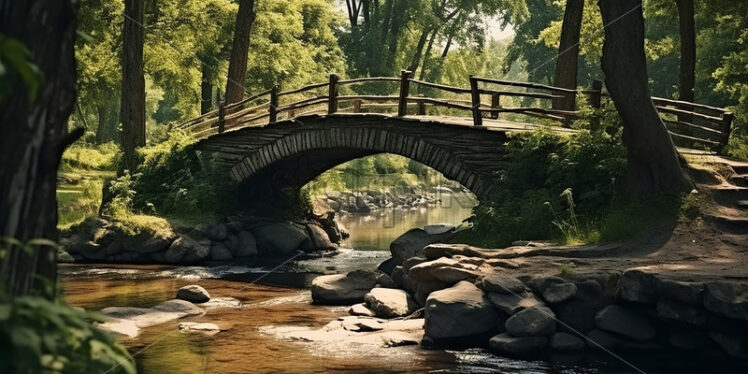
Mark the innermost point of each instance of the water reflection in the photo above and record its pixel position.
(375, 231)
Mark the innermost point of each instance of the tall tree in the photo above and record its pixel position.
(33, 121)
(568, 53)
(687, 49)
(132, 107)
(653, 164)
(239, 51)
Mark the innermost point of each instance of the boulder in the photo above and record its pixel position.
(619, 320)
(217, 232)
(387, 266)
(517, 346)
(279, 238)
(638, 286)
(232, 243)
(689, 314)
(439, 229)
(208, 329)
(684, 292)
(219, 252)
(343, 288)
(193, 293)
(734, 345)
(447, 270)
(533, 321)
(597, 339)
(187, 250)
(459, 311)
(246, 245)
(384, 280)
(320, 239)
(64, 257)
(729, 299)
(575, 314)
(412, 242)
(513, 303)
(389, 302)
(424, 289)
(563, 341)
(360, 310)
(559, 292)
(502, 284)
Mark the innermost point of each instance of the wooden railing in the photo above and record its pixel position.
(690, 124)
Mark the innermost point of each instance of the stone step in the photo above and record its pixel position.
(729, 196)
(731, 224)
(740, 168)
(740, 180)
(742, 204)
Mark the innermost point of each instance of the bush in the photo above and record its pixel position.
(556, 187)
(42, 336)
(83, 156)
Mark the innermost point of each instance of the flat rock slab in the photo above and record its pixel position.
(343, 288)
(502, 284)
(513, 303)
(128, 320)
(517, 346)
(371, 331)
(360, 310)
(208, 329)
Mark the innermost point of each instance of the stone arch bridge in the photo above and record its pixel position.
(279, 140)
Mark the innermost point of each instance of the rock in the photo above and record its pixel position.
(598, 338)
(219, 252)
(384, 280)
(179, 306)
(412, 242)
(621, 321)
(638, 286)
(232, 243)
(222, 302)
(208, 329)
(729, 299)
(187, 250)
(513, 303)
(439, 229)
(389, 302)
(424, 289)
(517, 346)
(64, 257)
(360, 310)
(674, 310)
(589, 289)
(397, 276)
(502, 284)
(447, 270)
(684, 292)
(689, 339)
(559, 292)
(164, 312)
(217, 232)
(246, 246)
(343, 288)
(279, 238)
(413, 261)
(193, 293)
(387, 266)
(459, 311)
(533, 321)
(577, 315)
(320, 239)
(120, 326)
(734, 345)
(566, 342)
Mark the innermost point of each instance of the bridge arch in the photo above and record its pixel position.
(288, 154)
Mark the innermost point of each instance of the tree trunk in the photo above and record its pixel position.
(653, 164)
(34, 137)
(206, 90)
(568, 54)
(427, 54)
(132, 107)
(416, 60)
(107, 128)
(245, 17)
(687, 49)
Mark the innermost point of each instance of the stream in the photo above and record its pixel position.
(279, 298)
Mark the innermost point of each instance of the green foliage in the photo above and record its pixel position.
(90, 157)
(177, 180)
(16, 63)
(42, 336)
(529, 199)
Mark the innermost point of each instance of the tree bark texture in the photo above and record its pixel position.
(240, 51)
(33, 137)
(568, 53)
(132, 107)
(687, 49)
(653, 165)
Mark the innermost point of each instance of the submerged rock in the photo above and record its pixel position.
(517, 346)
(208, 329)
(343, 288)
(459, 311)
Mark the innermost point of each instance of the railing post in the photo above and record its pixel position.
(727, 119)
(273, 104)
(596, 103)
(357, 106)
(475, 101)
(495, 104)
(332, 98)
(402, 104)
(421, 106)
